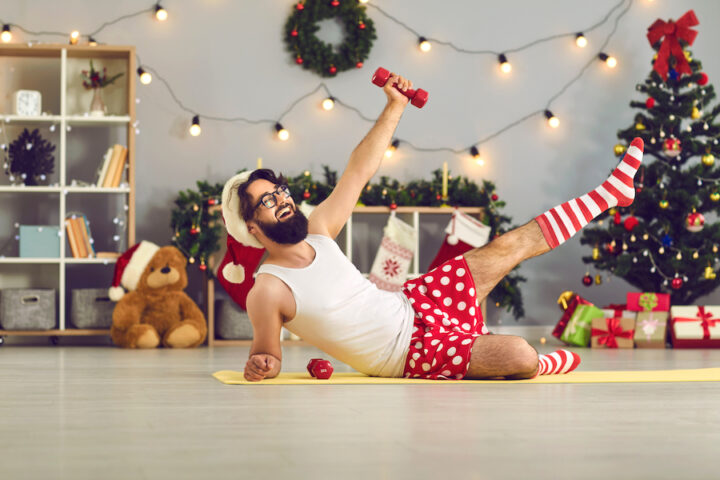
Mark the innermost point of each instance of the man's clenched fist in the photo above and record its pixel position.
(260, 366)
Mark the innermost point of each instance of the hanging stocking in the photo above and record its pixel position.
(463, 233)
(389, 270)
(236, 270)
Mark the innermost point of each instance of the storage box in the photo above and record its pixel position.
(232, 322)
(695, 326)
(25, 309)
(615, 330)
(39, 241)
(651, 329)
(91, 308)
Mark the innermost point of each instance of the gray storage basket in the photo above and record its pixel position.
(27, 309)
(232, 323)
(91, 308)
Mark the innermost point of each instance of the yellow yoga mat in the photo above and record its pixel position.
(231, 377)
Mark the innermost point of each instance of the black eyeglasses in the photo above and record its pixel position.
(268, 199)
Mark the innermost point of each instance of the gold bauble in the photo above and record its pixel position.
(595, 253)
(619, 149)
(715, 196)
(710, 273)
(687, 56)
(695, 113)
(598, 279)
(639, 126)
(663, 204)
(708, 159)
(612, 211)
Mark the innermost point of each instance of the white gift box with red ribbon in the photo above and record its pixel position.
(695, 326)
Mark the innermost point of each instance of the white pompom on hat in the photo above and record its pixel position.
(130, 267)
(232, 214)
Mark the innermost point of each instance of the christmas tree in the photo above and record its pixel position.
(30, 158)
(660, 243)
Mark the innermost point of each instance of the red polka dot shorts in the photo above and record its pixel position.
(447, 321)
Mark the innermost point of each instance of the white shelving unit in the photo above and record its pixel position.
(121, 58)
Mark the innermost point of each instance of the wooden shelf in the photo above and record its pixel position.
(70, 332)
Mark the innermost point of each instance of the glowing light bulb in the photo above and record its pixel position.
(424, 45)
(6, 35)
(505, 66)
(363, 1)
(160, 13)
(552, 120)
(145, 77)
(92, 42)
(74, 37)
(610, 61)
(195, 129)
(391, 149)
(580, 40)
(328, 103)
(282, 134)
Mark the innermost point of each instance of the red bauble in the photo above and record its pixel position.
(617, 219)
(332, 69)
(193, 231)
(293, 33)
(703, 79)
(203, 267)
(494, 197)
(393, 206)
(335, 3)
(359, 65)
(300, 6)
(676, 283)
(587, 280)
(695, 222)
(671, 147)
(299, 60)
(650, 102)
(306, 194)
(438, 196)
(630, 223)
(610, 248)
(361, 26)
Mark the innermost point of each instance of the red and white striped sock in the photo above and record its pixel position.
(560, 361)
(564, 221)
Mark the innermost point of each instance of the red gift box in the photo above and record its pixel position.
(568, 301)
(648, 302)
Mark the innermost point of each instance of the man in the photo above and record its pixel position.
(433, 328)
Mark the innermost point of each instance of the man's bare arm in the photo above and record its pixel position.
(265, 358)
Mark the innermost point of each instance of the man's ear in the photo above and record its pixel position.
(252, 227)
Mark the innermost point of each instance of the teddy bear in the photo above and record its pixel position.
(155, 309)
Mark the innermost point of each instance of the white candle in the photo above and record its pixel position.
(259, 162)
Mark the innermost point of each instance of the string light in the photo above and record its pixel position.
(145, 77)
(476, 155)
(6, 35)
(329, 103)
(552, 120)
(505, 66)
(74, 37)
(282, 134)
(363, 1)
(424, 45)
(92, 42)
(610, 61)
(160, 13)
(195, 127)
(580, 40)
(391, 149)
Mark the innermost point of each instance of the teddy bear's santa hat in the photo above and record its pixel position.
(130, 267)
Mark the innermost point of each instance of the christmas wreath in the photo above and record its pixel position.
(313, 54)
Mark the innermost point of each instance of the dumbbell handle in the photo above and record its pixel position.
(417, 97)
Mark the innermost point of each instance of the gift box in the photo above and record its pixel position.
(651, 329)
(648, 302)
(577, 331)
(568, 302)
(695, 326)
(615, 329)
(39, 241)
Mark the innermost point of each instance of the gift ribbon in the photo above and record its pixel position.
(673, 33)
(619, 308)
(573, 325)
(614, 330)
(706, 321)
(649, 327)
(565, 298)
(648, 301)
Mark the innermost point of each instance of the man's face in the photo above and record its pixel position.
(281, 222)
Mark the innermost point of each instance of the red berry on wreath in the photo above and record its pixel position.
(334, 3)
(293, 33)
(300, 6)
(299, 60)
(361, 26)
(587, 280)
(202, 267)
(359, 65)
(494, 197)
(393, 206)
(703, 79)
(438, 197)
(676, 283)
(332, 69)
(650, 102)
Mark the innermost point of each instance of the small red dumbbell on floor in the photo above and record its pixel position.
(320, 369)
(417, 97)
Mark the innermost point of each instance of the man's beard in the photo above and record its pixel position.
(290, 231)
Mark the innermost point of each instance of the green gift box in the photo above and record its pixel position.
(578, 328)
(39, 241)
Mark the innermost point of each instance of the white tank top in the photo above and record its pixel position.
(342, 313)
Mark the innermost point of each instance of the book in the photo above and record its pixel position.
(85, 228)
(118, 172)
(71, 238)
(107, 255)
(104, 167)
(78, 233)
(114, 159)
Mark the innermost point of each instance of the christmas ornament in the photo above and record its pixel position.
(639, 126)
(696, 113)
(667, 240)
(715, 196)
(709, 273)
(598, 279)
(695, 222)
(619, 149)
(630, 223)
(494, 197)
(703, 79)
(708, 159)
(617, 219)
(666, 37)
(663, 204)
(315, 55)
(671, 147)
(595, 253)
(676, 283)
(306, 194)
(650, 102)
(687, 56)
(587, 280)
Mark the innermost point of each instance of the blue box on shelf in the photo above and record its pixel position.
(39, 241)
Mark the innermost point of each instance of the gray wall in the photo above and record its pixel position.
(227, 58)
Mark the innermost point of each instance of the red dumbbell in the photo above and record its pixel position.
(417, 97)
(320, 369)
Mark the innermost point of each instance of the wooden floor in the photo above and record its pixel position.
(104, 413)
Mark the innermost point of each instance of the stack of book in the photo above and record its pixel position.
(78, 235)
(113, 166)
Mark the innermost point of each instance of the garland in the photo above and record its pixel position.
(311, 53)
(197, 219)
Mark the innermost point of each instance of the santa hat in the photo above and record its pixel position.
(130, 267)
(232, 214)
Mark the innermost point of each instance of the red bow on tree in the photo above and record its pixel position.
(673, 33)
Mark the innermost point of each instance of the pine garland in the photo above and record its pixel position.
(311, 53)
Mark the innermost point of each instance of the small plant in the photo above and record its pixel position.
(95, 79)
